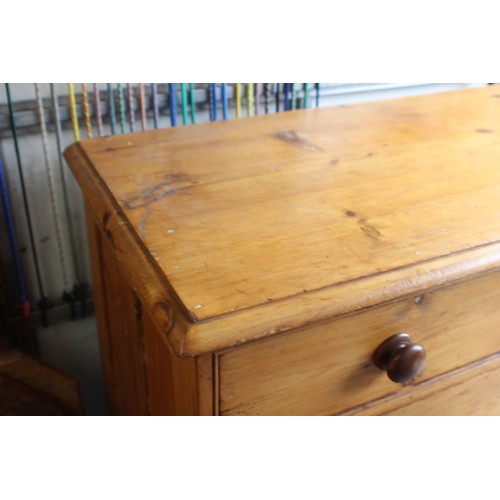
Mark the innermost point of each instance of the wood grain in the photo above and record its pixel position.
(300, 208)
(136, 264)
(266, 225)
(143, 374)
(17, 399)
(328, 368)
(43, 380)
(95, 254)
(469, 391)
(125, 326)
(172, 381)
(253, 267)
(206, 384)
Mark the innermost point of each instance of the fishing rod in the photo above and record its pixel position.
(79, 290)
(266, 98)
(223, 90)
(249, 99)
(238, 100)
(52, 197)
(184, 104)
(212, 102)
(131, 110)
(121, 104)
(306, 95)
(112, 110)
(86, 111)
(44, 303)
(287, 97)
(192, 103)
(9, 220)
(142, 102)
(294, 96)
(172, 98)
(3, 301)
(155, 104)
(73, 112)
(98, 113)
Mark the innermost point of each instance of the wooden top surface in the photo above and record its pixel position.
(252, 212)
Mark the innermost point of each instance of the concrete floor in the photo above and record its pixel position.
(72, 347)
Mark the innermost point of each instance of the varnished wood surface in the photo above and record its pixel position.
(328, 368)
(124, 318)
(469, 391)
(105, 349)
(107, 225)
(292, 219)
(143, 375)
(176, 386)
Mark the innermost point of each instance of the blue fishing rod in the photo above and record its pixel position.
(223, 96)
(287, 96)
(172, 104)
(212, 101)
(9, 220)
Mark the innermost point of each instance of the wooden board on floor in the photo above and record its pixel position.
(42, 379)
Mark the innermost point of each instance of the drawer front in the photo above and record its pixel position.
(327, 369)
(474, 390)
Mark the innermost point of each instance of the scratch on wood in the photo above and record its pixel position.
(142, 224)
(369, 230)
(293, 137)
(351, 157)
(172, 184)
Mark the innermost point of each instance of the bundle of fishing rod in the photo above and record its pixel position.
(103, 109)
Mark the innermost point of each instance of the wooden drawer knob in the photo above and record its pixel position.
(400, 357)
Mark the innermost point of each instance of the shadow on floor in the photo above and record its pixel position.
(73, 348)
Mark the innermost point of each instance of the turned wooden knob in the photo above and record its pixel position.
(400, 357)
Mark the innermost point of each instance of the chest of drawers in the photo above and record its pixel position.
(253, 267)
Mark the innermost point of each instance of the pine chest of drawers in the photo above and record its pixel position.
(254, 266)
